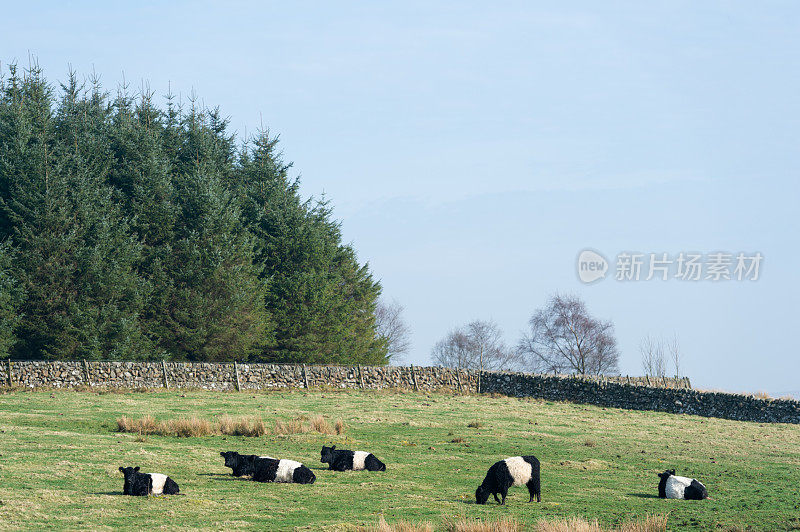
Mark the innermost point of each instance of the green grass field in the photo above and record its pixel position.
(60, 452)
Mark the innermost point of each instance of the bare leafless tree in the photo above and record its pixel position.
(453, 351)
(390, 325)
(675, 354)
(653, 362)
(478, 345)
(564, 338)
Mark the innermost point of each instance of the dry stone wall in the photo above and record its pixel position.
(636, 393)
(618, 393)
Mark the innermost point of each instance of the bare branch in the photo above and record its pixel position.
(390, 325)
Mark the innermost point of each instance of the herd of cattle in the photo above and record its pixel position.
(513, 471)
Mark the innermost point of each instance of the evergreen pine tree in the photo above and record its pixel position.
(321, 301)
(11, 298)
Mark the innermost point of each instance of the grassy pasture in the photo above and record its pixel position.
(59, 454)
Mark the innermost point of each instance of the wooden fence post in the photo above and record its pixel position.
(305, 377)
(164, 371)
(236, 374)
(648, 380)
(360, 377)
(479, 380)
(414, 377)
(8, 367)
(458, 376)
(86, 372)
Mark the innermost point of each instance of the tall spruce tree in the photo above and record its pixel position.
(76, 256)
(215, 310)
(11, 298)
(321, 300)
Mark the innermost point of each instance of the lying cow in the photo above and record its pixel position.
(137, 483)
(274, 470)
(672, 486)
(343, 460)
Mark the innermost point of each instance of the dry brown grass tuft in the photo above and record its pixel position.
(225, 424)
(241, 426)
(193, 426)
(570, 524)
(143, 425)
(502, 524)
(399, 526)
(762, 395)
(319, 424)
(475, 424)
(651, 523)
(289, 427)
(186, 427)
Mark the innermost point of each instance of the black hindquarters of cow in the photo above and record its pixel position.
(534, 484)
(303, 475)
(171, 487)
(695, 491)
(371, 463)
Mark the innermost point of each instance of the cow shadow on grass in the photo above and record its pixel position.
(107, 493)
(643, 495)
(221, 476)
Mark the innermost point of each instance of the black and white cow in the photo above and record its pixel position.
(242, 464)
(672, 486)
(343, 460)
(147, 483)
(274, 470)
(514, 471)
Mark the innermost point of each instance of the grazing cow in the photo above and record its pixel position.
(514, 471)
(672, 486)
(242, 464)
(274, 470)
(343, 460)
(147, 483)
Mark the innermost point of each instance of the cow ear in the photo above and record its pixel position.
(221, 453)
(136, 468)
(333, 447)
(120, 468)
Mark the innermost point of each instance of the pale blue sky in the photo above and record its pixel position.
(473, 149)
